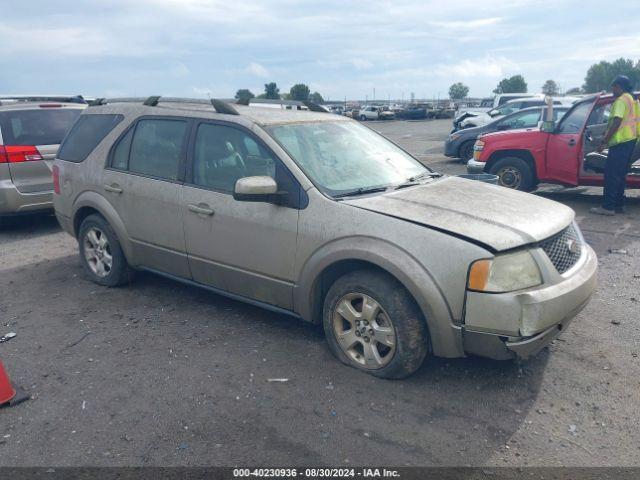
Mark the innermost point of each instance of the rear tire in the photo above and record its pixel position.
(466, 151)
(363, 118)
(373, 324)
(515, 173)
(101, 254)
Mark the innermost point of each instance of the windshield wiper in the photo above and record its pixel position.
(414, 180)
(360, 191)
(424, 175)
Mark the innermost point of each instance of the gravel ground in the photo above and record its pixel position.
(158, 373)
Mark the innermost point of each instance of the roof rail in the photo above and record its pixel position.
(44, 98)
(221, 106)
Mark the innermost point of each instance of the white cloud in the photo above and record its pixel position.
(460, 24)
(257, 70)
(361, 63)
(180, 70)
(492, 67)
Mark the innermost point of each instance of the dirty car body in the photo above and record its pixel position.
(321, 218)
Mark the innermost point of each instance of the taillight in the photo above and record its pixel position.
(3, 154)
(56, 179)
(20, 153)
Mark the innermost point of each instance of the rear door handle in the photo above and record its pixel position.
(114, 188)
(572, 142)
(200, 209)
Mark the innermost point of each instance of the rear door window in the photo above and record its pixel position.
(157, 148)
(86, 134)
(43, 126)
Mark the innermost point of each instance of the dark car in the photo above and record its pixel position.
(460, 144)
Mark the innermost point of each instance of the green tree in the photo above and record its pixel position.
(244, 95)
(458, 91)
(316, 98)
(550, 87)
(574, 91)
(271, 91)
(601, 74)
(515, 84)
(299, 92)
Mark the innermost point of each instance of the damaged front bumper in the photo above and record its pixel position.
(520, 324)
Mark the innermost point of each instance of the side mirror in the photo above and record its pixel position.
(548, 127)
(258, 189)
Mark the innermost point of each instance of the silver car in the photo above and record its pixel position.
(31, 130)
(319, 217)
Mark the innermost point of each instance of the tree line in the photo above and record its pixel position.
(299, 92)
(598, 78)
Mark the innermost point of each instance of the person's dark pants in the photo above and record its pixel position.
(615, 175)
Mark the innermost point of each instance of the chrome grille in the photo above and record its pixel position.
(563, 249)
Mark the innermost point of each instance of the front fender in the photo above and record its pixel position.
(99, 203)
(445, 337)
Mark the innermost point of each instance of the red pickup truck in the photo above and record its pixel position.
(563, 153)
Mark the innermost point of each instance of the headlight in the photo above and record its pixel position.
(453, 136)
(478, 146)
(504, 273)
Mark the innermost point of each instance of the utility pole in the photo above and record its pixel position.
(374, 94)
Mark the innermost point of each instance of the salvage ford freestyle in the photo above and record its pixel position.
(319, 217)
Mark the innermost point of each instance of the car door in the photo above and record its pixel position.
(143, 182)
(564, 148)
(244, 248)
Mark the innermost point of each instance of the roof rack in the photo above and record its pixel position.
(221, 106)
(43, 98)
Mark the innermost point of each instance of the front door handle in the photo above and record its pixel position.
(572, 142)
(200, 209)
(113, 188)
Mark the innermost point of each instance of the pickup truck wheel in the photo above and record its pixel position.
(514, 172)
(466, 151)
(373, 324)
(101, 254)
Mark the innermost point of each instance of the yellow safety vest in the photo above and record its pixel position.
(624, 107)
(637, 118)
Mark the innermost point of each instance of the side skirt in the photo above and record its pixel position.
(233, 296)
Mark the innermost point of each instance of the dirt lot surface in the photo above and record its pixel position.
(158, 373)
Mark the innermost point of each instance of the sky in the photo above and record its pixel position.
(347, 48)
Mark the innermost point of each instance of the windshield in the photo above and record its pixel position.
(343, 156)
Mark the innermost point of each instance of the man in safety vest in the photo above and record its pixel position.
(620, 138)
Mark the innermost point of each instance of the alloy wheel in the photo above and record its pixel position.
(97, 252)
(364, 331)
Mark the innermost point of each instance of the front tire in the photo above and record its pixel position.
(101, 254)
(363, 118)
(373, 324)
(515, 173)
(466, 151)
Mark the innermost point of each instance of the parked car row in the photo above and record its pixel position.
(564, 152)
(459, 144)
(318, 217)
(478, 119)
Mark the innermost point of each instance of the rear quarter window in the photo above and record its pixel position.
(86, 134)
(43, 126)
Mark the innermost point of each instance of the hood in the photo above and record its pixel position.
(517, 131)
(496, 217)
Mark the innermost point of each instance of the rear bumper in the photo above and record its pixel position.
(474, 166)
(540, 314)
(12, 202)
